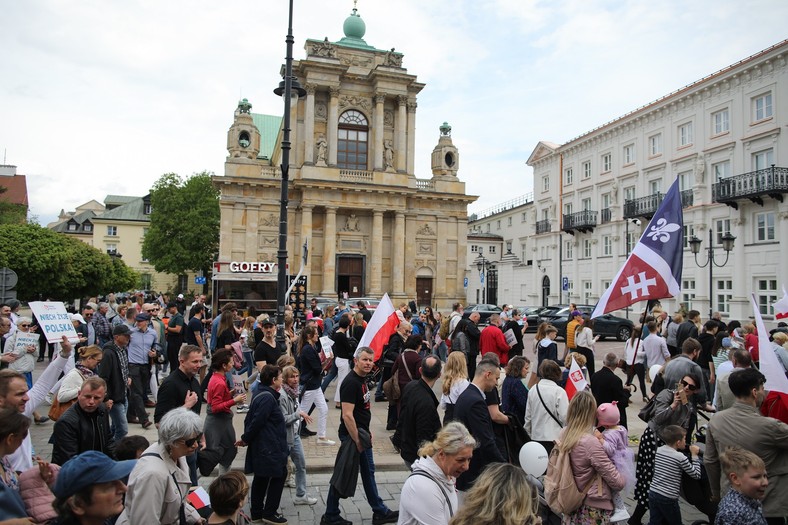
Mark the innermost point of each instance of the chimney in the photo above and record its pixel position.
(7, 170)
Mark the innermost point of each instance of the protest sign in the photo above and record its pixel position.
(53, 320)
(23, 340)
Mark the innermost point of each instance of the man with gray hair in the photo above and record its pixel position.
(102, 326)
(608, 387)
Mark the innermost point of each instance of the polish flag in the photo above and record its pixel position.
(384, 322)
(576, 381)
(781, 306)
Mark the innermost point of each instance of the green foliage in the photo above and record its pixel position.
(10, 212)
(51, 265)
(184, 224)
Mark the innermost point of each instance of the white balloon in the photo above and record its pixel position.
(533, 458)
(653, 371)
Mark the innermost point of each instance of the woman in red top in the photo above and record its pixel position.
(219, 431)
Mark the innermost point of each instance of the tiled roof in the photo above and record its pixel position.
(16, 189)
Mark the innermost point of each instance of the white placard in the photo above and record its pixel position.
(23, 340)
(238, 385)
(511, 339)
(327, 344)
(53, 320)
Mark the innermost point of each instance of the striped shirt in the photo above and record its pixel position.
(667, 471)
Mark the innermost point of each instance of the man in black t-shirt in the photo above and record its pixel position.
(355, 396)
(175, 332)
(268, 350)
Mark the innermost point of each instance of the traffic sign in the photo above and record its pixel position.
(200, 280)
(565, 284)
(465, 283)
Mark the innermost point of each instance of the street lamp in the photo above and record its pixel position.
(727, 245)
(288, 88)
(482, 265)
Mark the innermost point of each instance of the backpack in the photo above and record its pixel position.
(443, 332)
(560, 488)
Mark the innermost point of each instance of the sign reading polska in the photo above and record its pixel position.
(53, 320)
(252, 267)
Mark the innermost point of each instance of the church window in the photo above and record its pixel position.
(352, 140)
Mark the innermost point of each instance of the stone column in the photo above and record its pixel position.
(441, 257)
(293, 132)
(460, 229)
(306, 233)
(376, 255)
(398, 255)
(226, 221)
(410, 255)
(329, 252)
(377, 132)
(333, 122)
(252, 242)
(402, 123)
(411, 137)
(309, 125)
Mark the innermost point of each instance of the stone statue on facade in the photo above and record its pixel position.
(388, 155)
(351, 224)
(614, 193)
(322, 151)
(392, 59)
(700, 171)
(324, 49)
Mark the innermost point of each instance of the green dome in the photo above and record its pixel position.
(354, 26)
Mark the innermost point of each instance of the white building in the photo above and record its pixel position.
(720, 136)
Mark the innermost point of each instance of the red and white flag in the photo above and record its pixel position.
(384, 322)
(769, 362)
(781, 306)
(576, 381)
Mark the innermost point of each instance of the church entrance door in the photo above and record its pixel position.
(350, 275)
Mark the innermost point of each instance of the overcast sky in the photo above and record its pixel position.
(101, 97)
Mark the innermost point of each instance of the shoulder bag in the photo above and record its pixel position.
(391, 386)
(547, 409)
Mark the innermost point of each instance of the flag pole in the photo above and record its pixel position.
(631, 368)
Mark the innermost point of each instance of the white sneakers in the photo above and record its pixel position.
(325, 442)
(306, 499)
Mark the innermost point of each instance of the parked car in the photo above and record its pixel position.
(485, 311)
(531, 314)
(370, 302)
(606, 325)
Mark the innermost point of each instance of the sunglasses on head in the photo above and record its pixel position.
(191, 441)
(688, 385)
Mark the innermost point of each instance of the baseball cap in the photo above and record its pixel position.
(77, 317)
(142, 317)
(269, 321)
(180, 296)
(89, 468)
(121, 329)
(727, 342)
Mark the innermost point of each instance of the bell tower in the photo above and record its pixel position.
(445, 158)
(243, 138)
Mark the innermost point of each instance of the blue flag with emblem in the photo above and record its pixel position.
(653, 269)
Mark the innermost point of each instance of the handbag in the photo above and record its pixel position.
(547, 409)
(57, 409)
(391, 385)
(647, 412)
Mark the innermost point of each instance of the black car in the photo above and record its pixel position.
(484, 310)
(606, 325)
(531, 315)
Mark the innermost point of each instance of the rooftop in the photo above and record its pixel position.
(268, 126)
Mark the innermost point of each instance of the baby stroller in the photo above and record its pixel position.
(373, 378)
(697, 492)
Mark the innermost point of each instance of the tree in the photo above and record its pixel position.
(11, 212)
(51, 265)
(184, 224)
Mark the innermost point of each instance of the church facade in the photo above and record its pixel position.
(371, 226)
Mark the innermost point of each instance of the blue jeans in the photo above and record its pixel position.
(120, 426)
(662, 510)
(441, 349)
(367, 468)
(249, 369)
(330, 376)
(297, 455)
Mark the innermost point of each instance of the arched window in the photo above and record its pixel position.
(352, 140)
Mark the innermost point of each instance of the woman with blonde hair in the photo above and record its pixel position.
(429, 495)
(455, 381)
(590, 463)
(501, 496)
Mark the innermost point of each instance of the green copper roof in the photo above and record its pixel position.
(268, 126)
(354, 29)
(131, 211)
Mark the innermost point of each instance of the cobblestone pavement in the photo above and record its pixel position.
(391, 471)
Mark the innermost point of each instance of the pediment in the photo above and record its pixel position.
(543, 149)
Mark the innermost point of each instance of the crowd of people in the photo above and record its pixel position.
(159, 363)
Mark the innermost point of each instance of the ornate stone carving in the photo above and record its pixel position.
(402, 100)
(426, 231)
(322, 150)
(321, 111)
(323, 49)
(700, 170)
(333, 91)
(266, 240)
(270, 221)
(380, 98)
(392, 59)
(355, 61)
(388, 155)
(425, 247)
(388, 119)
(351, 224)
(310, 89)
(412, 107)
(355, 101)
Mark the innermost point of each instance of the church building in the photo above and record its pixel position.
(370, 224)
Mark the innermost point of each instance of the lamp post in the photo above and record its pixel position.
(482, 265)
(727, 246)
(288, 87)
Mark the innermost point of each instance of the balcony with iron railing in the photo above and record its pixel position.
(543, 226)
(607, 215)
(582, 221)
(753, 186)
(647, 206)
